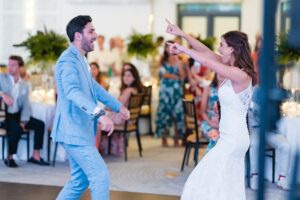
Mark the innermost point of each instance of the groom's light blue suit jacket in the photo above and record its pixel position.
(78, 93)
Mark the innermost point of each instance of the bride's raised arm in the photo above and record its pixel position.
(233, 73)
(196, 45)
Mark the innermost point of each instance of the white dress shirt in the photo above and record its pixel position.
(14, 108)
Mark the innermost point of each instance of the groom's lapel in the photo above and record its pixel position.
(84, 66)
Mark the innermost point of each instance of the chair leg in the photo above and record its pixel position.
(150, 124)
(184, 156)
(54, 155)
(188, 156)
(273, 166)
(138, 137)
(28, 145)
(248, 168)
(3, 147)
(109, 144)
(196, 154)
(125, 145)
(48, 146)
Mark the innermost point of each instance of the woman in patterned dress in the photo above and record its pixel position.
(170, 106)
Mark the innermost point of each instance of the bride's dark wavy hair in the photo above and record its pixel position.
(242, 52)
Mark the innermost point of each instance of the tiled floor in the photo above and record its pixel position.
(157, 172)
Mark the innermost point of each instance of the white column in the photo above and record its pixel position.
(251, 18)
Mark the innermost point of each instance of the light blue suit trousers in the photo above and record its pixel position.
(87, 166)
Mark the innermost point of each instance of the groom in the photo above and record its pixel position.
(77, 113)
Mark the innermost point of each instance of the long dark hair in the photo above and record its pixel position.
(137, 81)
(98, 78)
(242, 52)
(166, 53)
(214, 82)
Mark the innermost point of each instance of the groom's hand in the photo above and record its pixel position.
(106, 124)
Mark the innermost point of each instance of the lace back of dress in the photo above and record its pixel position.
(245, 96)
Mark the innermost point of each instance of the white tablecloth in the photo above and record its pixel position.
(290, 128)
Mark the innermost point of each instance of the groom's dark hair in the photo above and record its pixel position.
(77, 24)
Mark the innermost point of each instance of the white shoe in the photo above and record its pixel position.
(283, 183)
(254, 182)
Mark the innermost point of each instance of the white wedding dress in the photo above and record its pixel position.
(220, 174)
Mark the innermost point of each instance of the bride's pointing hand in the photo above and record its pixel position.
(173, 29)
(175, 48)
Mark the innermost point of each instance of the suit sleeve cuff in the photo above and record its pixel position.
(98, 111)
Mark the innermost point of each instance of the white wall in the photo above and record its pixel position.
(109, 19)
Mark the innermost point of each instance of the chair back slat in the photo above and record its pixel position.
(3, 108)
(147, 95)
(134, 108)
(190, 117)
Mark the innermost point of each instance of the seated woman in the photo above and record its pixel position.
(96, 74)
(131, 84)
(198, 77)
(210, 113)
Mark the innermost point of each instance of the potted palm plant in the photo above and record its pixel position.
(141, 48)
(141, 45)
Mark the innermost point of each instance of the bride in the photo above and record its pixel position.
(220, 174)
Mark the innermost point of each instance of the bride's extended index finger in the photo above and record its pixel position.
(168, 21)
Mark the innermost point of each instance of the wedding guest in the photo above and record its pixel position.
(198, 78)
(170, 106)
(15, 93)
(210, 113)
(97, 76)
(130, 84)
(274, 139)
(102, 56)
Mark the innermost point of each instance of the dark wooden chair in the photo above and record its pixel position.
(3, 132)
(131, 125)
(194, 139)
(146, 106)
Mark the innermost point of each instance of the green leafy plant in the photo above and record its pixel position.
(209, 41)
(286, 51)
(140, 45)
(45, 47)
